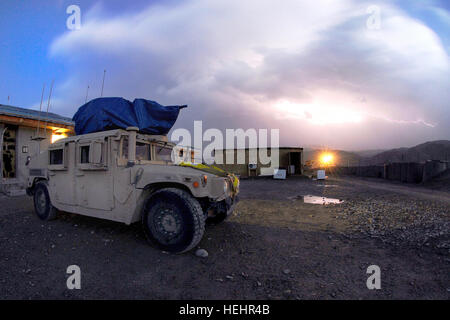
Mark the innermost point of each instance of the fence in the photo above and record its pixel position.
(410, 172)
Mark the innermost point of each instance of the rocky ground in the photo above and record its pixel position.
(275, 246)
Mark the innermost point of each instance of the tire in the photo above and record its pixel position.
(220, 214)
(42, 204)
(217, 218)
(173, 220)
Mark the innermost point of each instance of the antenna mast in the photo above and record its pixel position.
(48, 107)
(38, 129)
(87, 91)
(103, 83)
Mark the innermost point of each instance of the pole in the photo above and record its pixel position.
(48, 107)
(2, 132)
(87, 91)
(38, 129)
(103, 83)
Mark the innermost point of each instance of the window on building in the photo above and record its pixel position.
(56, 156)
(84, 150)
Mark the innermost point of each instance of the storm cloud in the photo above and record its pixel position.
(315, 70)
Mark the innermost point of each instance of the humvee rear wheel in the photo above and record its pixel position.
(42, 205)
(173, 220)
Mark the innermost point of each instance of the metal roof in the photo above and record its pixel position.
(35, 115)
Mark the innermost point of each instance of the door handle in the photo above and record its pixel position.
(80, 174)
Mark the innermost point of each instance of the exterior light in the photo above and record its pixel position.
(56, 137)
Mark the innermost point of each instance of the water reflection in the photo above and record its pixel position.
(320, 200)
(317, 200)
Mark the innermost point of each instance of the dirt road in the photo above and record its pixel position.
(274, 247)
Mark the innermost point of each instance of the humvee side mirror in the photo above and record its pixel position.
(96, 154)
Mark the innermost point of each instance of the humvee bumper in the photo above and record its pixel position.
(230, 204)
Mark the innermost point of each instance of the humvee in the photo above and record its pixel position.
(125, 176)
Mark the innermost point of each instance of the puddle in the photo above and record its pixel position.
(320, 200)
(327, 185)
(317, 200)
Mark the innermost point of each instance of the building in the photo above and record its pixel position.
(290, 159)
(23, 134)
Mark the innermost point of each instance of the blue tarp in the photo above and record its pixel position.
(118, 113)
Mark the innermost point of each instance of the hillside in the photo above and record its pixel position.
(368, 153)
(432, 150)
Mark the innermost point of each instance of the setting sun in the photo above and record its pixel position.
(326, 159)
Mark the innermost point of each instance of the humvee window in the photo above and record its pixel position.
(164, 153)
(56, 156)
(84, 150)
(125, 148)
(142, 151)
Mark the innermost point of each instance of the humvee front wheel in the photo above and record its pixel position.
(217, 218)
(173, 220)
(42, 204)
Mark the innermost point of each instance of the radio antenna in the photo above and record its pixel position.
(103, 83)
(38, 129)
(48, 107)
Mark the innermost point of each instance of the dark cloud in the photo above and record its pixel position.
(315, 72)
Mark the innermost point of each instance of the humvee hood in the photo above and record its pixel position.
(187, 175)
(203, 167)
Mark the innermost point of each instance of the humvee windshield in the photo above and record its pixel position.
(163, 153)
(143, 150)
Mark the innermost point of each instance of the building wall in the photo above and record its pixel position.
(25, 147)
(243, 169)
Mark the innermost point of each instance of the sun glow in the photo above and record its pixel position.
(326, 159)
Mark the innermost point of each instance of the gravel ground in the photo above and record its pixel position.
(275, 246)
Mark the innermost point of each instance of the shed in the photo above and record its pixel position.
(290, 159)
(24, 133)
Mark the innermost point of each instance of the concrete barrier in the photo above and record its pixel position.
(433, 168)
(408, 172)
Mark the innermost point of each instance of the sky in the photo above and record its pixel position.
(346, 74)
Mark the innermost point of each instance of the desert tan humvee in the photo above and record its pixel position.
(125, 176)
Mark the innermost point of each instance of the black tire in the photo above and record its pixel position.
(173, 220)
(42, 204)
(220, 214)
(217, 218)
